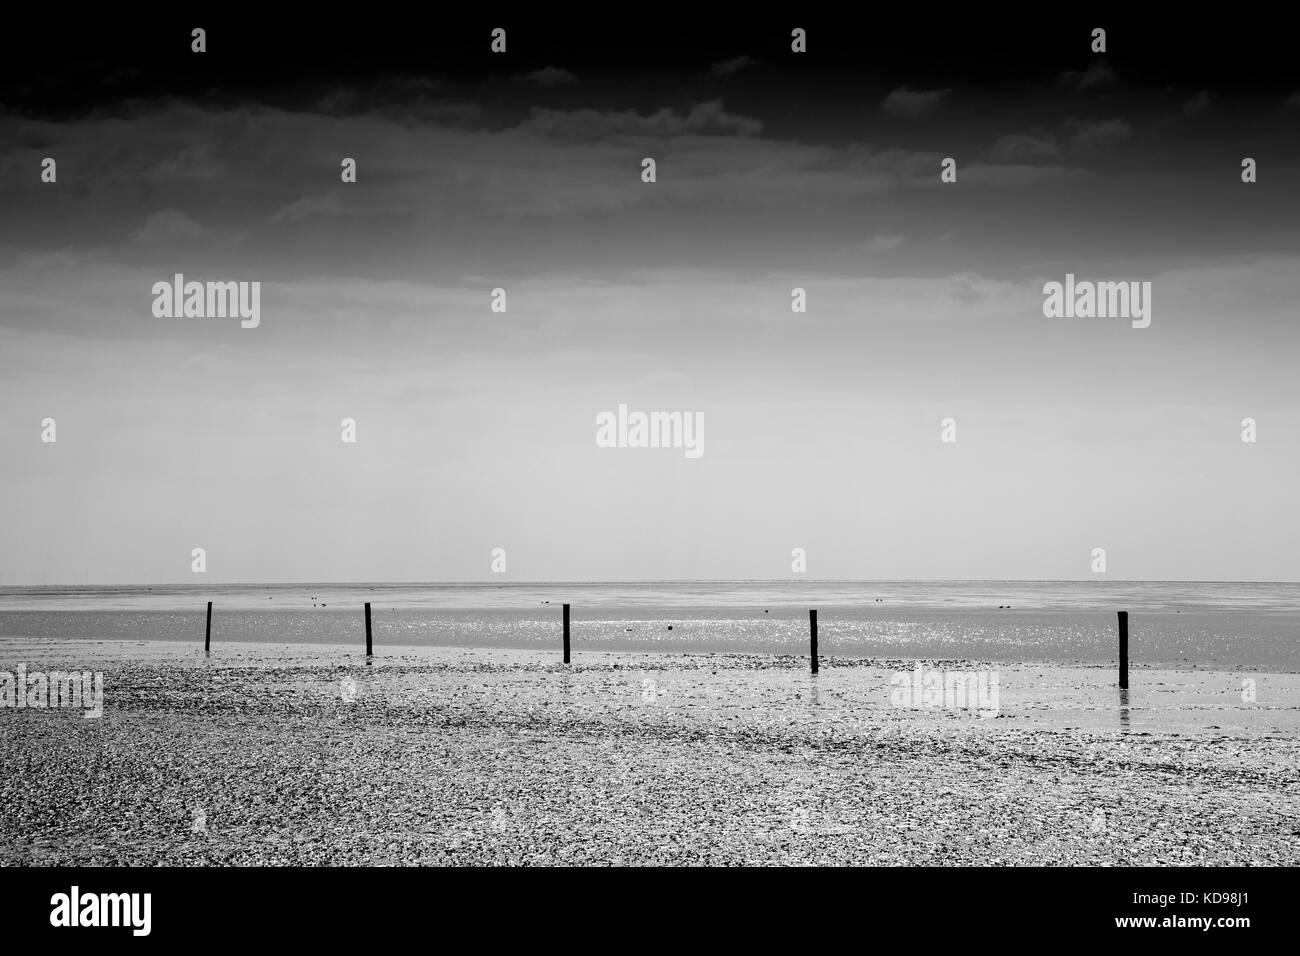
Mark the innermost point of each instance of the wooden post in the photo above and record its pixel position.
(812, 624)
(207, 637)
(369, 649)
(1123, 650)
(566, 633)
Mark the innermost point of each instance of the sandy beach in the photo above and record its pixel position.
(297, 754)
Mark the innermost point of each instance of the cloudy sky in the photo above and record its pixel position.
(523, 171)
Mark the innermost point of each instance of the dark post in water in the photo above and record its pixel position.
(207, 637)
(369, 650)
(1123, 650)
(566, 633)
(812, 624)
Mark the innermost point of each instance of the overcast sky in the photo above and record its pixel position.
(523, 171)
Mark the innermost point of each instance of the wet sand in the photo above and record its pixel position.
(279, 754)
(1221, 637)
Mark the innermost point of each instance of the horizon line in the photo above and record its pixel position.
(644, 581)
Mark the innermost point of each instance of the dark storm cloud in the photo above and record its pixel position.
(549, 76)
(1097, 74)
(1098, 134)
(731, 67)
(474, 172)
(909, 102)
(707, 119)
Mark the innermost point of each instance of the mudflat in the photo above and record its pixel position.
(304, 754)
